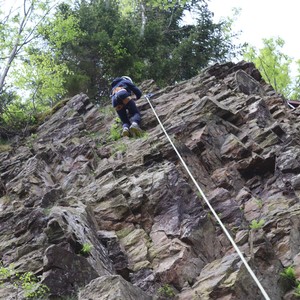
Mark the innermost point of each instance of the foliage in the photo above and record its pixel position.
(27, 282)
(131, 6)
(146, 39)
(108, 112)
(6, 97)
(6, 273)
(5, 147)
(43, 72)
(94, 53)
(115, 132)
(80, 48)
(21, 118)
(144, 135)
(297, 290)
(19, 115)
(259, 202)
(60, 31)
(289, 273)
(273, 64)
(296, 87)
(120, 147)
(18, 29)
(86, 248)
(257, 224)
(43, 77)
(166, 291)
(32, 64)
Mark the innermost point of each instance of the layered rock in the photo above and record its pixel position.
(148, 232)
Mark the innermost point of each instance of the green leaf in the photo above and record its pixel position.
(257, 224)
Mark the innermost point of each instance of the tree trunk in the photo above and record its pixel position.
(144, 18)
(8, 64)
(16, 46)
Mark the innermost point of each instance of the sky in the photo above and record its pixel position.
(260, 19)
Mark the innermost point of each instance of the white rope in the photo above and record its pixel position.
(210, 207)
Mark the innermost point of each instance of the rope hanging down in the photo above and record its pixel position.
(209, 205)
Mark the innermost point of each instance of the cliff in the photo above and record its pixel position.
(99, 218)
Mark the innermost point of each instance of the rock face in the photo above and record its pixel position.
(104, 219)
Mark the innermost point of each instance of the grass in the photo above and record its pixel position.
(120, 147)
(4, 146)
(107, 111)
(86, 248)
(115, 131)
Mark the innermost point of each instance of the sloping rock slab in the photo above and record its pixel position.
(112, 287)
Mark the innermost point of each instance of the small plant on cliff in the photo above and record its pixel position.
(6, 273)
(144, 135)
(166, 291)
(31, 139)
(297, 290)
(257, 224)
(107, 111)
(4, 146)
(86, 248)
(259, 203)
(115, 132)
(289, 273)
(120, 147)
(199, 195)
(32, 289)
(27, 282)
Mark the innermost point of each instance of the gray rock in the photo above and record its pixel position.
(247, 84)
(112, 288)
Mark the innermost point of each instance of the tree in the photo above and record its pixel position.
(43, 71)
(32, 64)
(131, 7)
(273, 64)
(43, 78)
(296, 84)
(145, 39)
(201, 44)
(98, 50)
(18, 29)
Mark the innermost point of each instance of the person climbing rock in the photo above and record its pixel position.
(123, 93)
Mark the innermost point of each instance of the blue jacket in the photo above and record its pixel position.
(129, 88)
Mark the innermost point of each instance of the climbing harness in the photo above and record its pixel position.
(208, 204)
(124, 101)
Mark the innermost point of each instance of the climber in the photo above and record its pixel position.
(123, 93)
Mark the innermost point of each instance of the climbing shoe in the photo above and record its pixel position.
(125, 131)
(135, 130)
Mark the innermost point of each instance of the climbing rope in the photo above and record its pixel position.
(209, 205)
